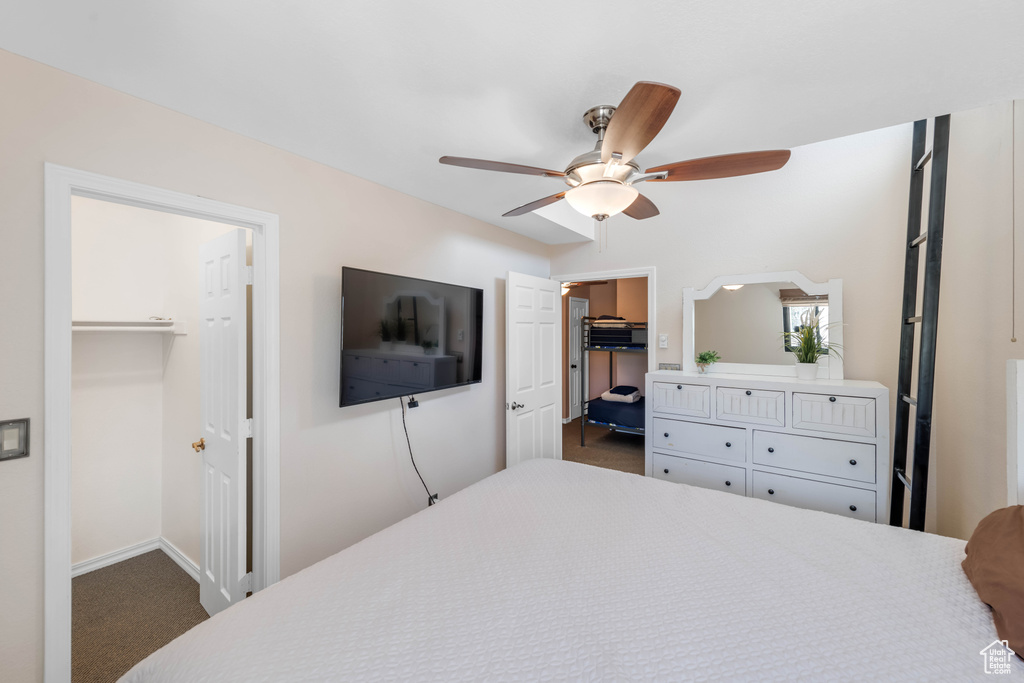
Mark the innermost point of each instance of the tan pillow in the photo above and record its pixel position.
(995, 566)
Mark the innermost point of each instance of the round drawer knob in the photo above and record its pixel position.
(832, 399)
(679, 386)
(748, 392)
(666, 471)
(666, 435)
(853, 508)
(771, 492)
(728, 483)
(771, 450)
(853, 462)
(728, 444)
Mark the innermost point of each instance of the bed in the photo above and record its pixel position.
(559, 571)
(624, 416)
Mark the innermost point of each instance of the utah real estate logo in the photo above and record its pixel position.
(997, 657)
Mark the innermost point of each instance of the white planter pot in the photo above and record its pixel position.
(385, 346)
(806, 370)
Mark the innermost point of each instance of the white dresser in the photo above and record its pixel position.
(369, 373)
(821, 444)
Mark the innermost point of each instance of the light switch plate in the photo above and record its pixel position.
(663, 341)
(13, 439)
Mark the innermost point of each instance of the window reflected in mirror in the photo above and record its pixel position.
(800, 310)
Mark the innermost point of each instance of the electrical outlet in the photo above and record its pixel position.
(461, 335)
(662, 341)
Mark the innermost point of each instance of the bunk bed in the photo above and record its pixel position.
(612, 335)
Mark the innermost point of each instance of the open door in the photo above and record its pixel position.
(533, 372)
(578, 309)
(224, 427)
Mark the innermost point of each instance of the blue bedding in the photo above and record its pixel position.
(614, 413)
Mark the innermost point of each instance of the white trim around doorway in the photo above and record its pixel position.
(61, 184)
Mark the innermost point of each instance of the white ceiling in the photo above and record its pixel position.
(382, 89)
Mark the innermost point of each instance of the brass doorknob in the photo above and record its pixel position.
(199, 445)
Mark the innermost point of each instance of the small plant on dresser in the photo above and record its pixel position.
(705, 359)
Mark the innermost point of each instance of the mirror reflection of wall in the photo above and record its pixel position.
(746, 325)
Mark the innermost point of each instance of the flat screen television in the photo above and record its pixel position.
(402, 336)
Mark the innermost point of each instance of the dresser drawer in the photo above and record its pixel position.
(707, 475)
(832, 413)
(753, 406)
(417, 373)
(387, 370)
(364, 390)
(727, 443)
(692, 400)
(830, 457)
(356, 365)
(814, 495)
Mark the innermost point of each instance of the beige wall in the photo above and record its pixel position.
(631, 304)
(116, 408)
(345, 473)
(838, 210)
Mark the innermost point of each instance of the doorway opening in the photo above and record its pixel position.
(136, 385)
(608, 321)
(143, 352)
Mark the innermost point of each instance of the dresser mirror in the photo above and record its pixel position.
(743, 318)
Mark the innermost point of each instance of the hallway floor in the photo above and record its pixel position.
(605, 448)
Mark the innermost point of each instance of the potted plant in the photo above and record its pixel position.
(429, 347)
(807, 346)
(705, 359)
(384, 332)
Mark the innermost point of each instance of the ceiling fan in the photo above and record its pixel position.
(602, 182)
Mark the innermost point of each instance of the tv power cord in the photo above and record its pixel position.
(413, 403)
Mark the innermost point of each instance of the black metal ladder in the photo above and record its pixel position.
(928, 319)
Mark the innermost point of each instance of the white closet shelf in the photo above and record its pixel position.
(158, 326)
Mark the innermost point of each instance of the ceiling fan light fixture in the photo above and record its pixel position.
(601, 198)
(732, 288)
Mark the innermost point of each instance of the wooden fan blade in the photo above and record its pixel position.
(640, 116)
(485, 165)
(641, 208)
(724, 166)
(533, 206)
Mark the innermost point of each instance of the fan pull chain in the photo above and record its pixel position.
(1013, 223)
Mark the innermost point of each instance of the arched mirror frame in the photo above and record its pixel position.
(438, 303)
(832, 368)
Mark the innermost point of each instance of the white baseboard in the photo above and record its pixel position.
(113, 558)
(190, 567)
(123, 554)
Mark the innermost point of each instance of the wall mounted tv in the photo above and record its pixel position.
(402, 336)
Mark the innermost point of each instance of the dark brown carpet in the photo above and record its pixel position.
(605, 448)
(122, 613)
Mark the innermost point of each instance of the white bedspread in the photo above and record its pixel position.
(556, 571)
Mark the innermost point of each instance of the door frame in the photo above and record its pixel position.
(571, 322)
(649, 272)
(61, 183)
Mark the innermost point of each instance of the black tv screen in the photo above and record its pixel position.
(402, 336)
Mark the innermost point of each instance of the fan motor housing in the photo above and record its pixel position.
(597, 118)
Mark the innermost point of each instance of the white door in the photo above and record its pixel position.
(222, 349)
(577, 309)
(533, 372)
